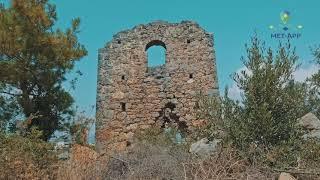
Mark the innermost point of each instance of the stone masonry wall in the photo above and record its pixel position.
(132, 96)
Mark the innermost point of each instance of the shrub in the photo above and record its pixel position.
(26, 157)
(209, 109)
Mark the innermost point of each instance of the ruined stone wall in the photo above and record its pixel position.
(132, 96)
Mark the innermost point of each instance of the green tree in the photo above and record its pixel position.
(316, 77)
(262, 125)
(34, 60)
(314, 97)
(271, 100)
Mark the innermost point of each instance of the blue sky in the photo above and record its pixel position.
(232, 22)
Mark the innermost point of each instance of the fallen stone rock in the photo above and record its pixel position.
(64, 155)
(286, 176)
(312, 124)
(309, 122)
(312, 134)
(204, 147)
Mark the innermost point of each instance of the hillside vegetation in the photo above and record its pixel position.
(257, 136)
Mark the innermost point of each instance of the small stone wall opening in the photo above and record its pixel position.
(123, 106)
(191, 76)
(156, 53)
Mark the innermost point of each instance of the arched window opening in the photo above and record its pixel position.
(156, 53)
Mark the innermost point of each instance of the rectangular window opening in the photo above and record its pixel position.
(191, 76)
(123, 106)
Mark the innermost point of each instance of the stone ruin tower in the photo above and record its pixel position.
(132, 96)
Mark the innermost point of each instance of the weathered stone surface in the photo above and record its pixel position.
(133, 96)
(286, 176)
(312, 124)
(204, 147)
(64, 155)
(312, 134)
(309, 122)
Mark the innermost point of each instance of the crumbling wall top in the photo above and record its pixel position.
(142, 30)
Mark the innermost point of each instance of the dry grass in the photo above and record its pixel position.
(225, 164)
(83, 164)
(25, 170)
(145, 161)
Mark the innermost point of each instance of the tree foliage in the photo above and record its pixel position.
(316, 77)
(271, 100)
(262, 125)
(315, 84)
(34, 59)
